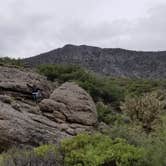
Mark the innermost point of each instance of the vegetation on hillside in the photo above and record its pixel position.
(133, 111)
(11, 62)
(117, 99)
(82, 150)
(99, 88)
(92, 150)
(102, 89)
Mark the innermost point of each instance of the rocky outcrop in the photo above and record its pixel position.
(107, 61)
(14, 82)
(66, 111)
(19, 127)
(70, 103)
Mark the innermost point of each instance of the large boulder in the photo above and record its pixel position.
(66, 112)
(71, 103)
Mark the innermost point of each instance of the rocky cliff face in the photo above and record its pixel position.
(63, 112)
(115, 62)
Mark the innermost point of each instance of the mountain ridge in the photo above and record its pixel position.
(116, 62)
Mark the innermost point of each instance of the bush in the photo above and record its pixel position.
(154, 143)
(139, 87)
(10, 62)
(107, 115)
(155, 151)
(46, 155)
(61, 72)
(146, 109)
(81, 150)
(99, 150)
(156, 147)
(131, 132)
(95, 150)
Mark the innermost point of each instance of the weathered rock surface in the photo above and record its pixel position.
(14, 82)
(69, 110)
(71, 103)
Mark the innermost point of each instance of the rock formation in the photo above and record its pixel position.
(70, 103)
(64, 112)
(14, 82)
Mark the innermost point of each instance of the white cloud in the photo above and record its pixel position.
(29, 27)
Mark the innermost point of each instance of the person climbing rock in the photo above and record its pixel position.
(36, 92)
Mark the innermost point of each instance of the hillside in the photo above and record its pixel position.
(80, 118)
(114, 62)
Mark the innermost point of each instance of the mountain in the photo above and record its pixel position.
(108, 61)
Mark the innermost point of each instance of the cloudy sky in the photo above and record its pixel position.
(30, 27)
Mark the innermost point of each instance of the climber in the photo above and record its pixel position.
(36, 92)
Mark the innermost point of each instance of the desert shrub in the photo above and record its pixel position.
(45, 149)
(10, 62)
(154, 143)
(99, 150)
(45, 155)
(145, 109)
(96, 150)
(155, 151)
(132, 132)
(155, 147)
(61, 72)
(107, 115)
(139, 87)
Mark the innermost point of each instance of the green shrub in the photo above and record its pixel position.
(107, 115)
(98, 150)
(61, 72)
(132, 132)
(6, 61)
(43, 150)
(139, 87)
(155, 147)
(154, 143)
(155, 151)
(46, 155)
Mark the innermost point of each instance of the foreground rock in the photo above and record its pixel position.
(69, 110)
(13, 82)
(70, 103)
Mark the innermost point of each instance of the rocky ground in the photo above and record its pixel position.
(62, 112)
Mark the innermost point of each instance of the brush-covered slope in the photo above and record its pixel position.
(114, 62)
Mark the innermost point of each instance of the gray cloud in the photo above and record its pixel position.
(30, 27)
